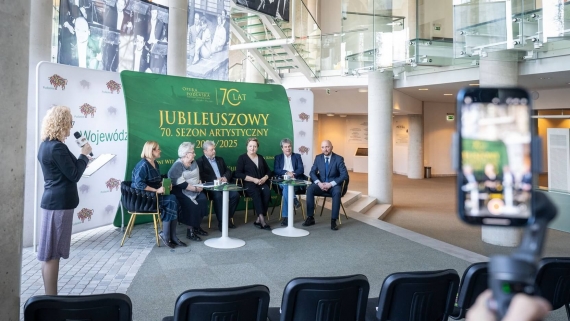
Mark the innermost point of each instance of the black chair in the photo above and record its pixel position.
(553, 282)
(97, 307)
(408, 296)
(323, 299)
(325, 195)
(241, 303)
(474, 282)
(139, 202)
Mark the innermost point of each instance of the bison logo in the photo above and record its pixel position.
(87, 109)
(304, 150)
(84, 188)
(113, 183)
(303, 100)
(112, 110)
(57, 81)
(109, 209)
(85, 213)
(113, 85)
(302, 133)
(84, 84)
(304, 117)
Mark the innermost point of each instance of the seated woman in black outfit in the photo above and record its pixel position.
(253, 170)
(146, 176)
(184, 174)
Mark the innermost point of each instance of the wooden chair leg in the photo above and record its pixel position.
(302, 210)
(281, 209)
(210, 217)
(323, 207)
(127, 229)
(246, 206)
(156, 217)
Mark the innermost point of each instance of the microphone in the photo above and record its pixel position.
(81, 141)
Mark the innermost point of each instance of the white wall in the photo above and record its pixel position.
(400, 149)
(437, 137)
(350, 101)
(552, 99)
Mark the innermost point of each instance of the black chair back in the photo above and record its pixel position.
(97, 307)
(553, 281)
(136, 200)
(241, 303)
(474, 282)
(324, 299)
(410, 296)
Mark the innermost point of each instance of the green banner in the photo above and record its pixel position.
(172, 110)
(479, 153)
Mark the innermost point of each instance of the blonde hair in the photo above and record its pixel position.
(148, 147)
(56, 123)
(252, 139)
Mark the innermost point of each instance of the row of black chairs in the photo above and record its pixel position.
(404, 296)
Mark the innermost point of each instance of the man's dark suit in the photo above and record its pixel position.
(297, 162)
(207, 174)
(336, 172)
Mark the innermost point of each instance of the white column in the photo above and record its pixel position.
(15, 44)
(380, 151)
(252, 74)
(499, 69)
(415, 146)
(177, 37)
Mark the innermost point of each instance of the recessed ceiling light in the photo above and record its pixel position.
(544, 78)
(448, 94)
(362, 90)
(423, 89)
(330, 114)
(473, 84)
(342, 115)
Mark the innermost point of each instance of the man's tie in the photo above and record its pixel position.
(326, 169)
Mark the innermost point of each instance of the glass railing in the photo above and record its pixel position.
(367, 42)
(238, 64)
(306, 44)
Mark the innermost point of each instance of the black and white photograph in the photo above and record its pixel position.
(208, 42)
(113, 35)
(275, 8)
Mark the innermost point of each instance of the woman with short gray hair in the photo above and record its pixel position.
(185, 175)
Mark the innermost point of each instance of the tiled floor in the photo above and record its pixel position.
(96, 264)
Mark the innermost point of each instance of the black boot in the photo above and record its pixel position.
(192, 236)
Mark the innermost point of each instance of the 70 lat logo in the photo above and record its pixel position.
(232, 96)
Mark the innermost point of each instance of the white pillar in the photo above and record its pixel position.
(415, 146)
(380, 151)
(15, 44)
(252, 74)
(177, 37)
(499, 69)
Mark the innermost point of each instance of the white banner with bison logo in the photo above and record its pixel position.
(98, 108)
(302, 105)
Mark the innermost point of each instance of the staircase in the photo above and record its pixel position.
(275, 45)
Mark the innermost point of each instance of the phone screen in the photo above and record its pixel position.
(495, 176)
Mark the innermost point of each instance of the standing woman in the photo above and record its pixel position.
(184, 174)
(146, 176)
(61, 172)
(252, 168)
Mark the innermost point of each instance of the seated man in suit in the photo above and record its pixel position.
(289, 164)
(214, 168)
(328, 173)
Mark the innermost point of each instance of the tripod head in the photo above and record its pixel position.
(509, 275)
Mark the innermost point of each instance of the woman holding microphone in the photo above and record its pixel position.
(61, 170)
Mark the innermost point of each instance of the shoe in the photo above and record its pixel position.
(285, 221)
(200, 231)
(309, 221)
(266, 227)
(179, 243)
(166, 242)
(192, 236)
(333, 225)
(258, 225)
(297, 203)
(231, 225)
